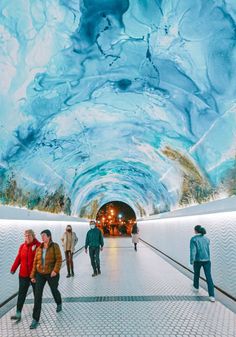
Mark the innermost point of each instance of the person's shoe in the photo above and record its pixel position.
(195, 290)
(59, 308)
(17, 319)
(17, 316)
(68, 275)
(94, 274)
(99, 272)
(34, 324)
(212, 299)
(72, 274)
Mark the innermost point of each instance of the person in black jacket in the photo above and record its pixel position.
(94, 240)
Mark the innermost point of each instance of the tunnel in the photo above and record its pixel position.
(116, 218)
(117, 112)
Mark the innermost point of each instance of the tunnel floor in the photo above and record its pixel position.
(137, 294)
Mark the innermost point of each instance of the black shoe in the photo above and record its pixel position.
(68, 275)
(17, 319)
(34, 324)
(17, 316)
(99, 272)
(59, 308)
(72, 274)
(94, 274)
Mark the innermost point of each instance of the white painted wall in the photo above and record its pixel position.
(12, 235)
(171, 233)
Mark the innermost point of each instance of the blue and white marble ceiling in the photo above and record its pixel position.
(130, 100)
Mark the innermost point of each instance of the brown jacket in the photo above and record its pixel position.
(53, 260)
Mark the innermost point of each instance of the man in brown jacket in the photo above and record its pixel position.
(46, 267)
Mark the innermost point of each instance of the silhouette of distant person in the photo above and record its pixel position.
(200, 257)
(135, 235)
(94, 240)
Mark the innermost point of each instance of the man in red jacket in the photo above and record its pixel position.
(25, 259)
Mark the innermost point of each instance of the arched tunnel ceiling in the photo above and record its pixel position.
(117, 100)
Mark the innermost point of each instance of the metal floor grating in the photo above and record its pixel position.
(154, 298)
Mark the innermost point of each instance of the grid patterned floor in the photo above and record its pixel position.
(138, 294)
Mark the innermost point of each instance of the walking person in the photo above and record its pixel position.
(200, 257)
(135, 235)
(94, 240)
(46, 267)
(24, 259)
(69, 240)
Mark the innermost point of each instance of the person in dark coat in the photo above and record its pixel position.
(94, 240)
(24, 259)
(135, 236)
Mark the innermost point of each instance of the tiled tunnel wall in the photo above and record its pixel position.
(172, 237)
(12, 235)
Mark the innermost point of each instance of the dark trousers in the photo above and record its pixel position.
(207, 270)
(69, 262)
(94, 257)
(24, 283)
(40, 283)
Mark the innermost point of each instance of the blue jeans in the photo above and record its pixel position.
(207, 270)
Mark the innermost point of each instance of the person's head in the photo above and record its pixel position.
(199, 230)
(29, 236)
(92, 224)
(46, 236)
(135, 228)
(69, 228)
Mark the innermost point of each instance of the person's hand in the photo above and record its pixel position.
(86, 251)
(101, 248)
(53, 274)
(12, 272)
(33, 280)
(190, 266)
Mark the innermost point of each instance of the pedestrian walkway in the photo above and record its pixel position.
(137, 294)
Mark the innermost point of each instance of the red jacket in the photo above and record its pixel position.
(25, 258)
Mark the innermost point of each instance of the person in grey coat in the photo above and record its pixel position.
(94, 240)
(200, 257)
